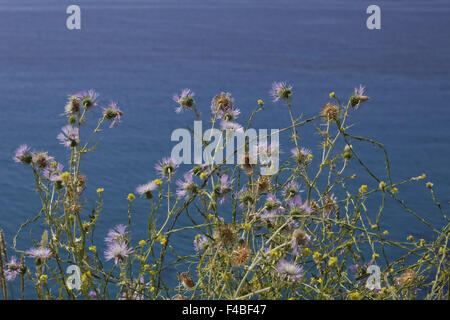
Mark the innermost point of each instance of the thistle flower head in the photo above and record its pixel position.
(13, 269)
(301, 155)
(405, 278)
(247, 162)
(117, 234)
(186, 280)
(281, 91)
(73, 105)
(166, 167)
(222, 103)
(246, 198)
(69, 137)
(42, 160)
(298, 207)
(118, 251)
(330, 205)
(358, 97)
(113, 114)
(224, 234)
(223, 187)
(40, 254)
(88, 98)
(200, 242)
(185, 100)
(188, 187)
(23, 154)
(289, 271)
(330, 112)
(230, 115)
(231, 126)
(145, 190)
(240, 255)
(291, 190)
(53, 171)
(300, 239)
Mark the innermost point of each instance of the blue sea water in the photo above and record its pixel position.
(140, 52)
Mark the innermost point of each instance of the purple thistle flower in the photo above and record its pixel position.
(289, 271)
(69, 136)
(223, 187)
(272, 208)
(358, 97)
(22, 154)
(297, 207)
(145, 190)
(13, 269)
(166, 167)
(53, 172)
(281, 90)
(113, 113)
(246, 198)
(185, 100)
(200, 242)
(40, 254)
(118, 251)
(291, 190)
(88, 98)
(231, 126)
(117, 234)
(229, 115)
(302, 154)
(186, 188)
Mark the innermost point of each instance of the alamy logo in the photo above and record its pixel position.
(374, 280)
(74, 279)
(251, 147)
(374, 20)
(73, 21)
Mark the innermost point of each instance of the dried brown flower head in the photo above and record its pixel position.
(240, 256)
(224, 234)
(330, 112)
(186, 280)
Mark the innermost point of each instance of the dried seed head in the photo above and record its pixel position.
(186, 280)
(42, 160)
(300, 237)
(44, 239)
(330, 112)
(73, 105)
(406, 277)
(247, 162)
(224, 234)
(240, 256)
(222, 102)
(263, 184)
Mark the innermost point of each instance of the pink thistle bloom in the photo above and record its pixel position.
(289, 271)
(166, 167)
(118, 251)
(185, 100)
(69, 137)
(22, 154)
(146, 189)
(186, 188)
(281, 91)
(117, 234)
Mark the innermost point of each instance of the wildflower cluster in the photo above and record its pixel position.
(304, 232)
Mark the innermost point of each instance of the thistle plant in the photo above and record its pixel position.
(303, 232)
